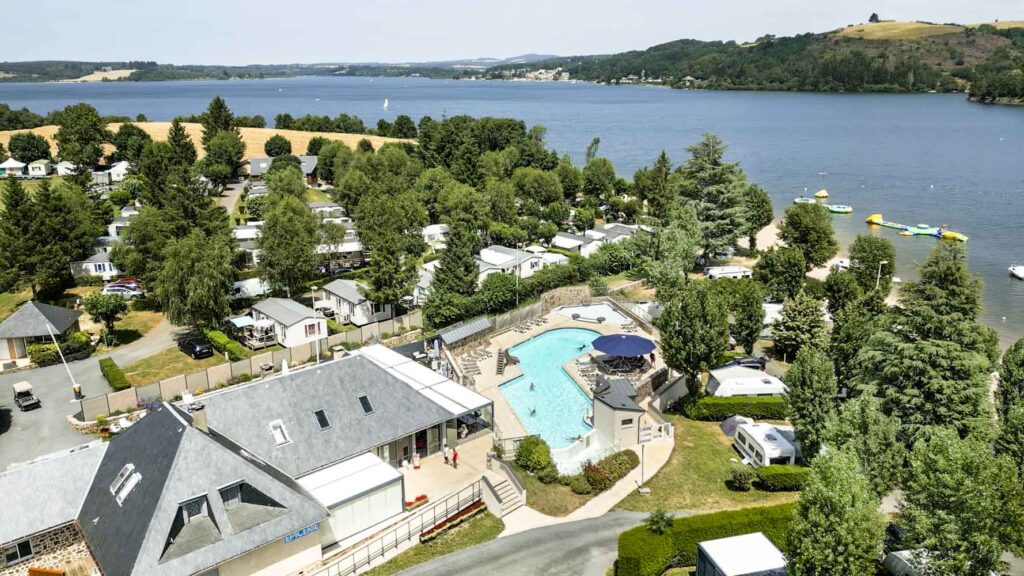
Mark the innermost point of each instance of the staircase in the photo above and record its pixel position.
(509, 497)
(501, 361)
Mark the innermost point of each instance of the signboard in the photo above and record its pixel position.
(300, 533)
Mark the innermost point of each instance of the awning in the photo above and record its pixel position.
(354, 477)
(264, 323)
(469, 328)
(628, 345)
(241, 321)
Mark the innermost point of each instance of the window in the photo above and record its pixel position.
(626, 423)
(231, 496)
(119, 480)
(19, 552)
(365, 403)
(194, 509)
(127, 488)
(313, 329)
(376, 308)
(321, 419)
(279, 433)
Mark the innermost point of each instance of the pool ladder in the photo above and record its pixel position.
(501, 362)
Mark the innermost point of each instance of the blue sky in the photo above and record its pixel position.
(265, 31)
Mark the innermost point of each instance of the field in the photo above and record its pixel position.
(254, 138)
(99, 76)
(912, 30)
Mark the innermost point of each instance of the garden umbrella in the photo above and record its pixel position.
(627, 345)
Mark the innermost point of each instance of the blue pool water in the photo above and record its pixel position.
(560, 404)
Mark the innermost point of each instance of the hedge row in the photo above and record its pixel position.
(715, 409)
(77, 345)
(782, 478)
(643, 553)
(221, 343)
(603, 474)
(115, 377)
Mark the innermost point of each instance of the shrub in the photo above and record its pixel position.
(548, 475)
(579, 485)
(225, 345)
(89, 281)
(643, 553)
(119, 197)
(147, 304)
(715, 409)
(597, 477)
(115, 377)
(76, 343)
(740, 479)
(42, 354)
(782, 477)
(333, 327)
(659, 521)
(240, 379)
(533, 454)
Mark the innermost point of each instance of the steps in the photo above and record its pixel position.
(510, 499)
(501, 362)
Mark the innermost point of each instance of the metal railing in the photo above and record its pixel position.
(508, 446)
(508, 472)
(361, 555)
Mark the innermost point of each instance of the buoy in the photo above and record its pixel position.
(821, 193)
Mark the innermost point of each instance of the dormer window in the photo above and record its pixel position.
(194, 509)
(277, 429)
(365, 403)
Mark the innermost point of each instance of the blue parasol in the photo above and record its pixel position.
(627, 345)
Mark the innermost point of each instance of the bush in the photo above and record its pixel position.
(548, 475)
(333, 327)
(715, 409)
(643, 553)
(533, 454)
(225, 345)
(815, 287)
(76, 343)
(42, 354)
(597, 477)
(147, 304)
(782, 477)
(119, 197)
(659, 521)
(115, 377)
(579, 485)
(89, 281)
(740, 479)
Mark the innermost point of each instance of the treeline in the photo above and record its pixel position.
(999, 87)
(50, 70)
(194, 72)
(23, 119)
(402, 127)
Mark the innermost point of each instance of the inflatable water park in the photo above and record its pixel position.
(917, 230)
(822, 195)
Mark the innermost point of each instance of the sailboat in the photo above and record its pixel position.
(385, 103)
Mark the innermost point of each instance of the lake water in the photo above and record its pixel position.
(926, 158)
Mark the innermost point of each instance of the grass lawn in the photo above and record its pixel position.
(132, 327)
(478, 530)
(550, 499)
(317, 195)
(695, 475)
(9, 301)
(165, 364)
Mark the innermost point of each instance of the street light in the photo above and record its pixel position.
(878, 277)
(316, 318)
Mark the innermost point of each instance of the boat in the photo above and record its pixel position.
(821, 193)
(385, 103)
(803, 200)
(839, 208)
(1017, 272)
(918, 229)
(822, 172)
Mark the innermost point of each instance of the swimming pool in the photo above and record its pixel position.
(557, 403)
(590, 313)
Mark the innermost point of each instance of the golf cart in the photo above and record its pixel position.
(23, 396)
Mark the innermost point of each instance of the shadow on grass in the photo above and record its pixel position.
(120, 336)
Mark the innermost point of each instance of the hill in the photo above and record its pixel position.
(882, 56)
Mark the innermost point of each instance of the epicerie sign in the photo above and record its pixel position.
(300, 533)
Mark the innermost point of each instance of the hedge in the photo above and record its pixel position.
(715, 409)
(643, 553)
(603, 474)
(221, 343)
(42, 354)
(533, 454)
(115, 377)
(782, 477)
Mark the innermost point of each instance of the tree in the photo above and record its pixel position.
(28, 147)
(1011, 377)
(809, 228)
(392, 271)
(183, 151)
(288, 241)
(364, 146)
(283, 162)
(277, 145)
(677, 243)
(841, 289)
(781, 271)
(874, 18)
(315, 145)
(748, 313)
(599, 178)
(537, 185)
(506, 234)
(867, 253)
(498, 292)
(140, 251)
(403, 127)
(80, 136)
(570, 176)
(1010, 441)
(64, 230)
(860, 428)
(155, 168)
(716, 189)
(195, 280)
(837, 528)
(811, 381)
(128, 141)
(17, 218)
(3, 153)
(851, 328)
(104, 308)
(287, 182)
(694, 331)
(458, 270)
(653, 186)
(759, 213)
(963, 504)
(800, 325)
(217, 119)
(223, 158)
(592, 150)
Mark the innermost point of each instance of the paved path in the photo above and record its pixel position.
(162, 336)
(230, 196)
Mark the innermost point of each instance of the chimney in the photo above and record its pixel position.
(198, 414)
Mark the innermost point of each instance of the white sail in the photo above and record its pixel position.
(385, 103)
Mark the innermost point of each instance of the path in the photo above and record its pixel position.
(230, 196)
(161, 337)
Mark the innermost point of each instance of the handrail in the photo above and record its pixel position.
(511, 475)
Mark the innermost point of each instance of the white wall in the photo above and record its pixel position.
(608, 423)
(108, 272)
(362, 512)
(276, 558)
(296, 334)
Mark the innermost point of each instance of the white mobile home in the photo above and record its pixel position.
(293, 323)
(719, 272)
(119, 170)
(739, 381)
(348, 302)
(12, 168)
(436, 236)
(744, 555)
(766, 444)
(501, 260)
(40, 169)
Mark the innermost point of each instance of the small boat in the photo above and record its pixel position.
(822, 172)
(821, 193)
(385, 103)
(1017, 272)
(839, 208)
(803, 200)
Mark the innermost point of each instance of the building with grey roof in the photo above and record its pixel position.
(98, 264)
(258, 166)
(293, 324)
(498, 259)
(34, 322)
(347, 302)
(616, 412)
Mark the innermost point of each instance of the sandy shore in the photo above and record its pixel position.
(100, 76)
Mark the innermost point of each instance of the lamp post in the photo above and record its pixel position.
(878, 276)
(316, 318)
(75, 388)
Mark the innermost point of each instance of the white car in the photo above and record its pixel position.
(122, 291)
(841, 264)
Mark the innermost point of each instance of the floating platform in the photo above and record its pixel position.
(917, 230)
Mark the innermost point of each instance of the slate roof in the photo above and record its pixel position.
(284, 310)
(244, 413)
(617, 393)
(33, 317)
(53, 487)
(307, 164)
(347, 290)
(458, 332)
(98, 257)
(177, 462)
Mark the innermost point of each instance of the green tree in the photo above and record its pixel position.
(800, 325)
(758, 207)
(217, 119)
(811, 381)
(183, 151)
(364, 146)
(195, 280)
(838, 528)
(571, 178)
(104, 309)
(841, 289)
(498, 292)
(506, 234)
(748, 313)
(403, 127)
(155, 169)
(653, 186)
(809, 228)
(537, 185)
(28, 147)
(867, 252)
(599, 178)
(277, 145)
(458, 270)
(781, 271)
(140, 251)
(128, 141)
(457, 202)
(677, 243)
(17, 218)
(716, 189)
(1011, 377)
(860, 428)
(287, 244)
(852, 326)
(287, 182)
(694, 329)
(80, 136)
(963, 504)
(3, 153)
(315, 145)
(63, 231)
(333, 160)
(1010, 441)
(223, 157)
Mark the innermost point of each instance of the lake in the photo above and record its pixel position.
(925, 158)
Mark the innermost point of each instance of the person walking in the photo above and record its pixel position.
(447, 454)
(455, 459)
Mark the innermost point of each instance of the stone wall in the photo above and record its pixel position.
(57, 549)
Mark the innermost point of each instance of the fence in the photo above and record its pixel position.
(256, 366)
(429, 518)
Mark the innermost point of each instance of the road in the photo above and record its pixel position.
(585, 548)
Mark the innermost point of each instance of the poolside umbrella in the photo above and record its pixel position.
(627, 345)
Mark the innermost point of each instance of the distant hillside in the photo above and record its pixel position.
(883, 56)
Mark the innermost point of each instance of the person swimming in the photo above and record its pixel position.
(532, 386)
(533, 411)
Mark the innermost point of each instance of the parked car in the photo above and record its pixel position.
(196, 347)
(23, 396)
(841, 264)
(755, 362)
(126, 292)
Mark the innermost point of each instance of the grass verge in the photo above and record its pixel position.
(165, 364)
(550, 499)
(478, 530)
